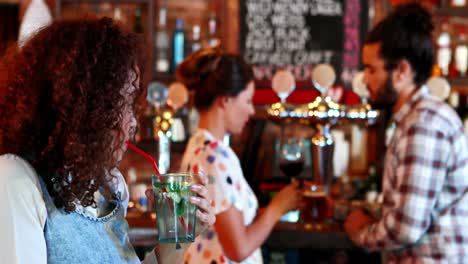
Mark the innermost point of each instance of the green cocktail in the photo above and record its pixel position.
(175, 214)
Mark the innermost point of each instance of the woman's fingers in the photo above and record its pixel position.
(202, 204)
(201, 190)
(205, 210)
(201, 177)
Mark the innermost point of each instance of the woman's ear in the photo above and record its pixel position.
(222, 101)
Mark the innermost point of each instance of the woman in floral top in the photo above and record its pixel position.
(223, 89)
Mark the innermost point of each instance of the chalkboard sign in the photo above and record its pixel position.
(299, 34)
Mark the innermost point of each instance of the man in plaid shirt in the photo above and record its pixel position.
(425, 181)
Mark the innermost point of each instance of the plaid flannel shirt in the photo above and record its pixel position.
(425, 187)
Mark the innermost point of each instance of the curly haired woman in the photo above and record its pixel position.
(67, 102)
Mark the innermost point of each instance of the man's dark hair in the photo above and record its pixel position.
(406, 34)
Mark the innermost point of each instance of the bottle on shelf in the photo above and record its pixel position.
(178, 44)
(444, 53)
(196, 44)
(178, 129)
(213, 40)
(145, 131)
(461, 53)
(162, 43)
(138, 26)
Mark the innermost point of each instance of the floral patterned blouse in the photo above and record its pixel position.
(227, 186)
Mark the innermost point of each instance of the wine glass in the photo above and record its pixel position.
(291, 164)
(292, 156)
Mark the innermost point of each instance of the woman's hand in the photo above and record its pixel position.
(289, 198)
(205, 212)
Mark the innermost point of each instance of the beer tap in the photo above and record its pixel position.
(322, 114)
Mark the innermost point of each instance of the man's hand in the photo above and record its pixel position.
(356, 221)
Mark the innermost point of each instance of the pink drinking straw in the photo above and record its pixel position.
(161, 179)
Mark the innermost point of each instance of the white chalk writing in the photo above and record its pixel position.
(277, 35)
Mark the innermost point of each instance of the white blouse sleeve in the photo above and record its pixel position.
(22, 213)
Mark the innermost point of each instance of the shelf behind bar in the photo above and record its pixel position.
(149, 9)
(446, 11)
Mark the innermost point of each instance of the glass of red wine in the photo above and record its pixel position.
(291, 163)
(292, 156)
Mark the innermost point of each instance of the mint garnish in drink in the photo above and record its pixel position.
(178, 192)
(176, 216)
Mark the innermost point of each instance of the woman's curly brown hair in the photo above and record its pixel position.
(61, 105)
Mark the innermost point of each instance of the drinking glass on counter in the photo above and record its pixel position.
(316, 204)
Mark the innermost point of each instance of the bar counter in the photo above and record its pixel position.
(329, 235)
(295, 243)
